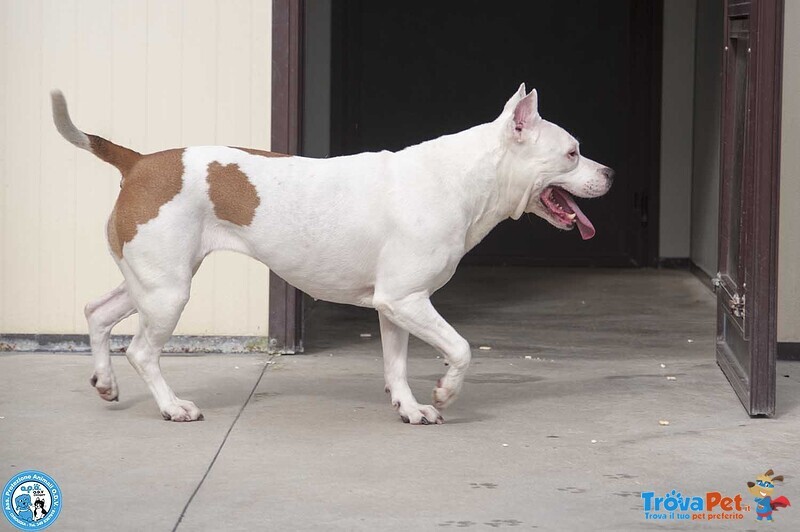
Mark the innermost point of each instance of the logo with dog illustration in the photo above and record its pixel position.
(715, 505)
(31, 500)
(762, 489)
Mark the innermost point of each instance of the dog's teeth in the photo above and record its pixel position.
(571, 216)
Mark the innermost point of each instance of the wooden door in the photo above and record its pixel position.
(747, 278)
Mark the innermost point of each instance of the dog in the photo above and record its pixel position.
(383, 230)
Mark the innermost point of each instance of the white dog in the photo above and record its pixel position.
(382, 230)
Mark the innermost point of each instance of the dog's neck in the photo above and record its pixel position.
(473, 160)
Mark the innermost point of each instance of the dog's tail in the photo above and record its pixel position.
(119, 156)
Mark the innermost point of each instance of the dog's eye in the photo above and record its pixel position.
(572, 154)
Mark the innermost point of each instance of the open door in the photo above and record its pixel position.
(748, 225)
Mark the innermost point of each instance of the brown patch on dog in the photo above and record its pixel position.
(262, 153)
(111, 233)
(152, 181)
(234, 197)
(121, 157)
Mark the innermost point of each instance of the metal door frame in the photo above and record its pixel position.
(755, 386)
(285, 301)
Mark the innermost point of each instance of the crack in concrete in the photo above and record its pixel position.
(267, 363)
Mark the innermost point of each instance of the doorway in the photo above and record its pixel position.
(403, 73)
(383, 97)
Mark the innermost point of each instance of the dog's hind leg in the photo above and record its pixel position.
(160, 308)
(102, 315)
(395, 353)
(416, 314)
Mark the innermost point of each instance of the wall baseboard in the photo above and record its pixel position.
(701, 275)
(675, 263)
(79, 343)
(789, 351)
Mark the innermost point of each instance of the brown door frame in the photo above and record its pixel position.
(285, 301)
(754, 385)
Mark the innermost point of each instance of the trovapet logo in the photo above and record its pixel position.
(716, 506)
(711, 506)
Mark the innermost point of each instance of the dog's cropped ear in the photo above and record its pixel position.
(526, 113)
(516, 97)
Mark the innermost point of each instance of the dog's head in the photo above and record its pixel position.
(23, 502)
(544, 167)
(764, 484)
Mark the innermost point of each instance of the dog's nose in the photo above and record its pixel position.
(608, 173)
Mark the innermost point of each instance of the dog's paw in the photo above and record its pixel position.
(182, 410)
(443, 396)
(418, 414)
(106, 386)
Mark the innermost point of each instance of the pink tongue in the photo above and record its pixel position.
(584, 225)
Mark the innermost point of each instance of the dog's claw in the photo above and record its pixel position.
(182, 411)
(416, 414)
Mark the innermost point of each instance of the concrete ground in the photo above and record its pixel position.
(557, 428)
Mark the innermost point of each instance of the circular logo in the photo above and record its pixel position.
(31, 500)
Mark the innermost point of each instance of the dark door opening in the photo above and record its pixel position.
(407, 72)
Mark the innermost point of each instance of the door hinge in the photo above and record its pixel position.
(737, 305)
(736, 301)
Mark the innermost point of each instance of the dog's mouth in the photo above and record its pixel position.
(561, 205)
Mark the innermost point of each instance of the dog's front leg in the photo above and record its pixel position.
(395, 353)
(416, 314)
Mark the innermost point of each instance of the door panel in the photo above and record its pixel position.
(746, 282)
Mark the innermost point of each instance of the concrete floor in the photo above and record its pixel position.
(566, 439)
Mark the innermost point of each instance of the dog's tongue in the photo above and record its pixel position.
(584, 225)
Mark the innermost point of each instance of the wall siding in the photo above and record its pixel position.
(150, 75)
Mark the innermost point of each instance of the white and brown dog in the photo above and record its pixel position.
(382, 230)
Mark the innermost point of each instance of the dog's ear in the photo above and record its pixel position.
(516, 97)
(751, 484)
(777, 477)
(526, 113)
(769, 473)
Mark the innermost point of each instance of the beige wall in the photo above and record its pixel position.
(149, 75)
(789, 241)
